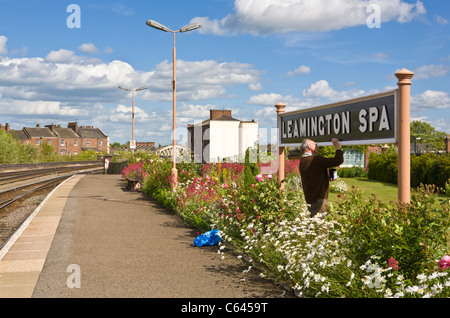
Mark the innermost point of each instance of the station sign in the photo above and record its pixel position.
(366, 120)
(132, 144)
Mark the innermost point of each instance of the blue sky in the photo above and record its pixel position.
(248, 56)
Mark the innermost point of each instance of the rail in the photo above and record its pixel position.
(11, 198)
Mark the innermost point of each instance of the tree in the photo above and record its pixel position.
(429, 136)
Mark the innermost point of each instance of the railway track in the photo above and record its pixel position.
(22, 191)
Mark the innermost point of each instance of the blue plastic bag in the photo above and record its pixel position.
(207, 239)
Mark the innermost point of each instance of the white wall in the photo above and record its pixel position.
(248, 136)
(224, 139)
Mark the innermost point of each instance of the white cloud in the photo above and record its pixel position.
(322, 89)
(62, 56)
(274, 98)
(201, 80)
(64, 87)
(63, 75)
(124, 114)
(199, 112)
(302, 69)
(3, 49)
(428, 71)
(275, 16)
(88, 48)
(122, 9)
(108, 50)
(380, 55)
(47, 108)
(440, 20)
(430, 100)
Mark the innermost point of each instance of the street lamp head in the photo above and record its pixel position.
(190, 27)
(157, 25)
(141, 88)
(123, 88)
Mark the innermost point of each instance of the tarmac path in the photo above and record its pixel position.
(122, 244)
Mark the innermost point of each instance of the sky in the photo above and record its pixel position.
(62, 61)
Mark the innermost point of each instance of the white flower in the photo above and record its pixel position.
(422, 277)
(388, 293)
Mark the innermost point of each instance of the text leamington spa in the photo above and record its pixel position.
(362, 120)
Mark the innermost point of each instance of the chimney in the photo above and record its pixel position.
(7, 128)
(214, 113)
(447, 144)
(52, 127)
(73, 126)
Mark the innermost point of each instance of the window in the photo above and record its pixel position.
(49, 142)
(38, 142)
(75, 143)
(62, 142)
(100, 142)
(88, 142)
(353, 158)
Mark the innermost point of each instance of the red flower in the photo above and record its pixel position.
(393, 263)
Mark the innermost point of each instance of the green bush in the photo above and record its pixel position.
(430, 169)
(13, 152)
(352, 172)
(425, 169)
(413, 234)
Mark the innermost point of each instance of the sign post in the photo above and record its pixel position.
(404, 161)
(375, 119)
(280, 109)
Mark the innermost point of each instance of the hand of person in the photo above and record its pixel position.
(335, 142)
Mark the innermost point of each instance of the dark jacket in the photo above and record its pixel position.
(314, 175)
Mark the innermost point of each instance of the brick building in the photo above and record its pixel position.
(64, 141)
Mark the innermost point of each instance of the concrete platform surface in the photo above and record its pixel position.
(91, 238)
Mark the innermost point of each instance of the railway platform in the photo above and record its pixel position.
(91, 238)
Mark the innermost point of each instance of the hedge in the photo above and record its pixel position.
(426, 169)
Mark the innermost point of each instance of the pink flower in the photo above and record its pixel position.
(252, 185)
(445, 262)
(224, 185)
(259, 177)
(393, 263)
(269, 176)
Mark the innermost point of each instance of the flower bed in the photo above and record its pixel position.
(358, 249)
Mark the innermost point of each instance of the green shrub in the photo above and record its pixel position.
(352, 172)
(425, 169)
(414, 234)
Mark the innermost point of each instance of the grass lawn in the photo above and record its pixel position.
(384, 191)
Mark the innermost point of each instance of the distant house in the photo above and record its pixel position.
(64, 141)
(38, 135)
(221, 137)
(91, 138)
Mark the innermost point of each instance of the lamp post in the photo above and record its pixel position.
(415, 144)
(186, 28)
(132, 111)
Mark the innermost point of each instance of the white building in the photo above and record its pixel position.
(221, 137)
